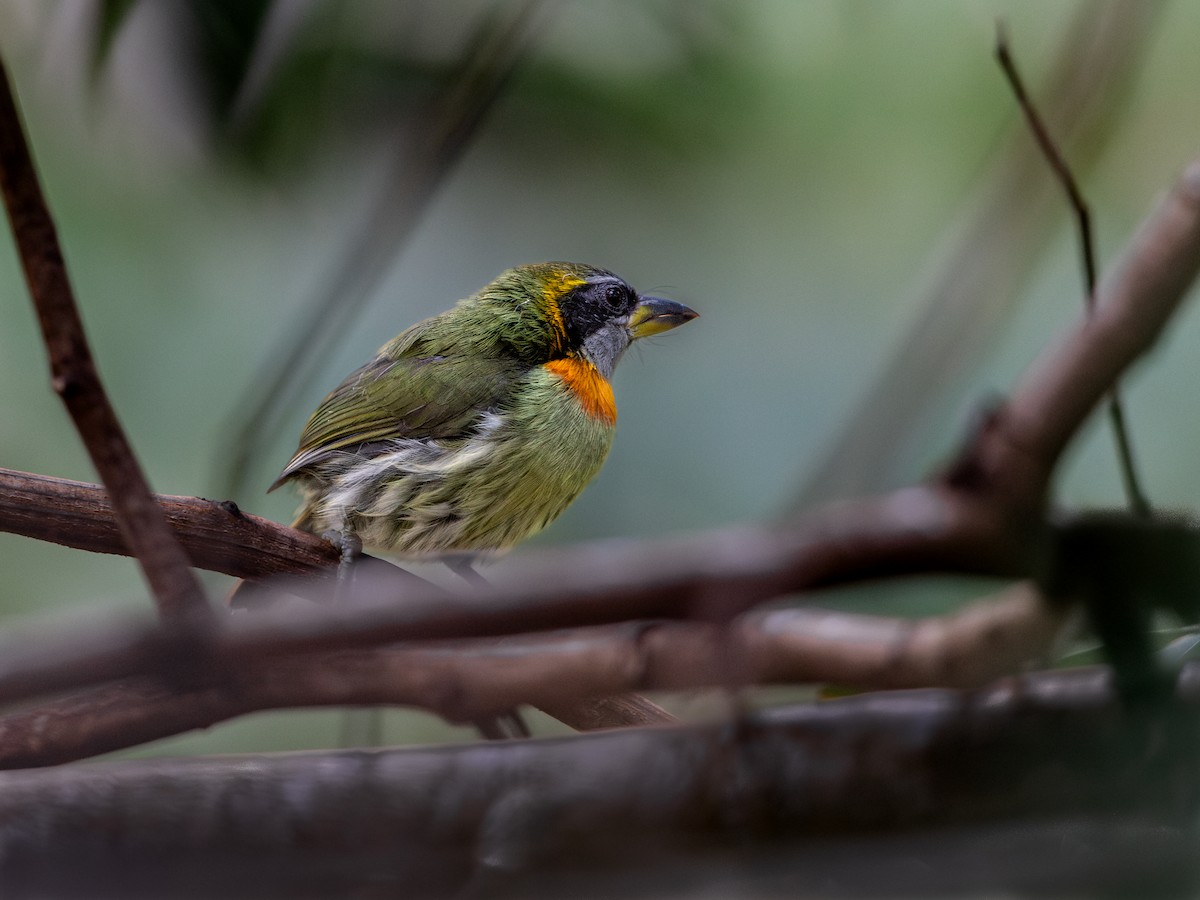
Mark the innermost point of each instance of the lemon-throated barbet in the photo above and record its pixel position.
(474, 429)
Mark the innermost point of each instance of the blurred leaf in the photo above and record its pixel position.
(227, 33)
(112, 16)
(692, 101)
(1180, 650)
(223, 33)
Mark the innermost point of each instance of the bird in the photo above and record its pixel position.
(474, 429)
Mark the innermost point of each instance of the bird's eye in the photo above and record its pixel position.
(614, 296)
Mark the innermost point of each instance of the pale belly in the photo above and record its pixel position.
(482, 494)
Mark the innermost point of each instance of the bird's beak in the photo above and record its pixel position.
(654, 315)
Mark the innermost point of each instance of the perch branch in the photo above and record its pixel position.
(713, 577)
(77, 381)
(216, 536)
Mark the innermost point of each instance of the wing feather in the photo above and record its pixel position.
(408, 391)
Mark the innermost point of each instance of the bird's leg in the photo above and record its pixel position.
(510, 725)
(464, 568)
(351, 547)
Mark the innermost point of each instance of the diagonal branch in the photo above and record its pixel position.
(141, 522)
(1133, 305)
(573, 675)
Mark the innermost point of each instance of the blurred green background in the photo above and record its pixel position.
(806, 175)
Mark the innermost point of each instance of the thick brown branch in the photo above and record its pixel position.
(77, 381)
(436, 820)
(216, 536)
(571, 675)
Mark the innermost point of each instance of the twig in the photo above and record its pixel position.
(1116, 413)
(570, 675)
(141, 522)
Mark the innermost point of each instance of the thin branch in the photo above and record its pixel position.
(438, 820)
(571, 675)
(75, 377)
(1054, 158)
(1116, 412)
(987, 250)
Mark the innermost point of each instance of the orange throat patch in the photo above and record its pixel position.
(590, 388)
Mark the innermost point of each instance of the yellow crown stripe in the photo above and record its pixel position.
(557, 285)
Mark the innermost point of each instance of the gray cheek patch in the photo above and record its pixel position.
(604, 346)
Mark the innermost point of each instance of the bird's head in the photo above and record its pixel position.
(549, 311)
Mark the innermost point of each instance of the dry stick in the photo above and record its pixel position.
(216, 535)
(572, 675)
(219, 537)
(984, 519)
(1116, 413)
(75, 377)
